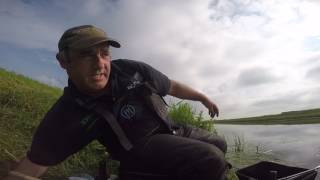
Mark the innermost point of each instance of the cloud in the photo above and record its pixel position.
(314, 74)
(233, 9)
(24, 26)
(279, 101)
(312, 43)
(238, 52)
(244, 50)
(312, 60)
(256, 76)
(307, 98)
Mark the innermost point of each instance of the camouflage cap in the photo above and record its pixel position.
(85, 36)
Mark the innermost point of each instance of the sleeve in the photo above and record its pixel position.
(159, 80)
(56, 138)
(45, 149)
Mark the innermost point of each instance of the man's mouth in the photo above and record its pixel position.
(98, 76)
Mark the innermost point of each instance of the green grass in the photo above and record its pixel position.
(183, 113)
(23, 102)
(311, 116)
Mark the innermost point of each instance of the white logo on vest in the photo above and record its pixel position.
(127, 111)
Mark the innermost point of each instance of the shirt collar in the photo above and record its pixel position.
(73, 91)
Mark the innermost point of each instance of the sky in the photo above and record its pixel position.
(251, 57)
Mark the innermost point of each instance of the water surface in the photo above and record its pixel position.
(298, 145)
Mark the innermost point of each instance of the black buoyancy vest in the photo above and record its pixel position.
(138, 108)
(132, 96)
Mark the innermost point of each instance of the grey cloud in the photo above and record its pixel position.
(311, 60)
(312, 98)
(277, 104)
(314, 73)
(293, 100)
(39, 24)
(124, 20)
(26, 27)
(166, 63)
(213, 71)
(243, 50)
(256, 76)
(280, 101)
(232, 9)
(313, 1)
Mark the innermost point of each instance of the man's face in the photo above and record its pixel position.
(89, 69)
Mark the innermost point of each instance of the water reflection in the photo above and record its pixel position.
(296, 144)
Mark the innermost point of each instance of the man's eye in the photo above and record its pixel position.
(105, 52)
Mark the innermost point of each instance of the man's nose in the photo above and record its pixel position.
(99, 60)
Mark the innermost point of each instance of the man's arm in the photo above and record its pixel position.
(26, 170)
(183, 91)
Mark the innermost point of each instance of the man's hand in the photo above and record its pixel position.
(26, 170)
(212, 107)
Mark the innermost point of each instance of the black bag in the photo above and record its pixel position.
(265, 170)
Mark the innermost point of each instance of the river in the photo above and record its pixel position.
(298, 145)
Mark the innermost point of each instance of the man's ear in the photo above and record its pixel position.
(62, 59)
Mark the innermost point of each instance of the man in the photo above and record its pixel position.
(117, 103)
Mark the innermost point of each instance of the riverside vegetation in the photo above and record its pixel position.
(23, 102)
(310, 116)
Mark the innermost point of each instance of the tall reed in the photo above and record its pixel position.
(183, 113)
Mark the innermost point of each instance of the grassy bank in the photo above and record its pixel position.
(311, 116)
(23, 102)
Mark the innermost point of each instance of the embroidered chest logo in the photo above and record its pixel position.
(133, 84)
(135, 81)
(127, 111)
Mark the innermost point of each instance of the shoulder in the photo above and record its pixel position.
(127, 65)
(59, 134)
(56, 115)
(132, 66)
(123, 62)
(64, 104)
(65, 113)
(156, 78)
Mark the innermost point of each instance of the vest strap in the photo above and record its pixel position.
(124, 141)
(111, 120)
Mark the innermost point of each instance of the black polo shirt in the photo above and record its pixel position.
(67, 127)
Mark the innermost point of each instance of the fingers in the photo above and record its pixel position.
(213, 111)
(212, 107)
(216, 110)
(213, 114)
